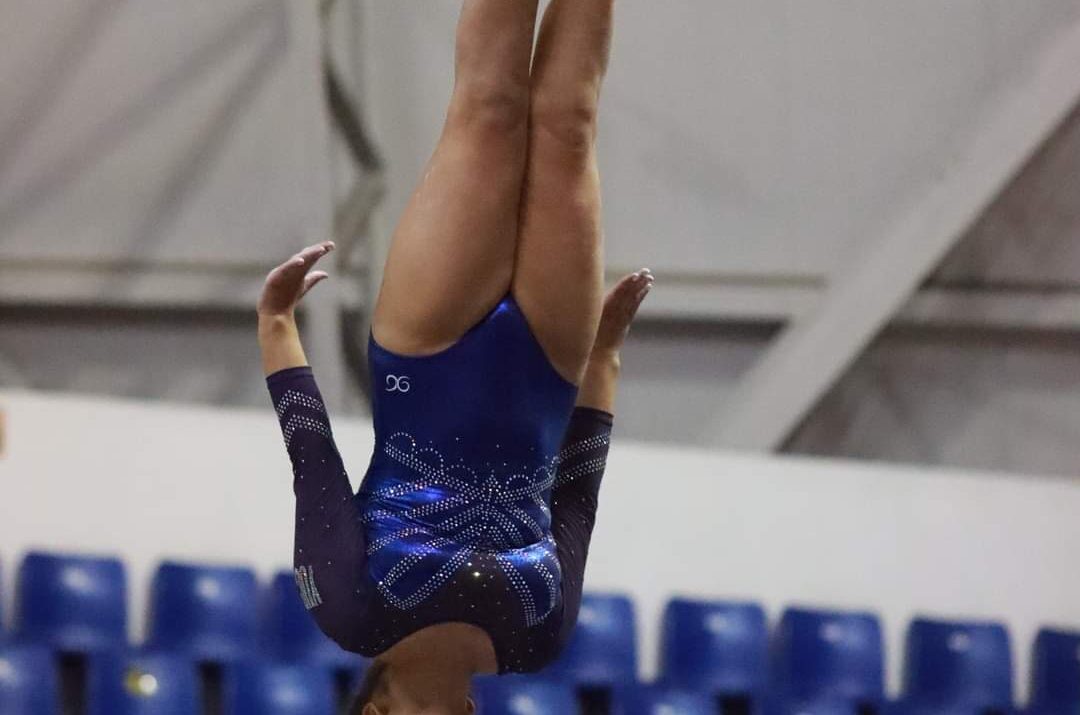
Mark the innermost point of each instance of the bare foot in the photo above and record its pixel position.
(620, 307)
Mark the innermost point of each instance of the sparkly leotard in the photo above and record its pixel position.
(477, 507)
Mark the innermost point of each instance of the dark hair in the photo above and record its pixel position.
(373, 682)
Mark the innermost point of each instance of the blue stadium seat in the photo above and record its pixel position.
(291, 635)
(1055, 673)
(523, 695)
(275, 689)
(829, 658)
(28, 681)
(958, 667)
(822, 706)
(72, 603)
(715, 647)
(208, 613)
(909, 707)
(145, 684)
(658, 700)
(603, 648)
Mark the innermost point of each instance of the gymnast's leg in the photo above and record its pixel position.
(561, 237)
(452, 256)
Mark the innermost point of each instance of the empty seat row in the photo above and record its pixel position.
(525, 695)
(819, 661)
(211, 614)
(169, 685)
(814, 662)
(160, 684)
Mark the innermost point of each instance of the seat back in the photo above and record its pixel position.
(715, 647)
(278, 689)
(28, 681)
(603, 647)
(146, 684)
(822, 706)
(1055, 670)
(822, 655)
(660, 700)
(524, 695)
(209, 613)
(291, 635)
(72, 603)
(958, 664)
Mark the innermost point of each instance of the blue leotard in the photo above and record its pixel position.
(477, 507)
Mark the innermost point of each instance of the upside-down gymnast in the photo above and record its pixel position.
(464, 550)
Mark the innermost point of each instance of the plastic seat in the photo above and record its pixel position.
(291, 635)
(145, 684)
(714, 647)
(72, 603)
(275, 689)
(821, 706)
(958, 667)
(207, 613)
(28, 681)
(523, 695)
(908, 707)
(660, 700)
(603, 648)
(1055, 673)
(826, 659)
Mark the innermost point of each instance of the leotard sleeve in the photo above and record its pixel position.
(329, 547)
(574, 502)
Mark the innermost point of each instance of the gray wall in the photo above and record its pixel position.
(157, 151)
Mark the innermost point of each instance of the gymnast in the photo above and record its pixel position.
(464, 550)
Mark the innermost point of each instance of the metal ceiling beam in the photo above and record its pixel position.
(814, 352)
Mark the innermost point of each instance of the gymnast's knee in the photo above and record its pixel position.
(568, 119)
(491, 108)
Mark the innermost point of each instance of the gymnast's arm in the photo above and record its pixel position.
(583, 458)
(329, 542)
(576, 495)
(299, 405)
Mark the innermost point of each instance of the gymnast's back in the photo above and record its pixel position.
(477, 506)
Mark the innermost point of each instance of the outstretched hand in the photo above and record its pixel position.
(287, 284)
(620, 307)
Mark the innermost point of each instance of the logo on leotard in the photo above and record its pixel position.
(395, 383)
(305, 581)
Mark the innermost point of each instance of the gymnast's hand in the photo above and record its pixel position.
(620, 307)
(602, 373)
(279, 338)
(287, 284)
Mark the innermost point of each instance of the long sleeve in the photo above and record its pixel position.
(329, 541)
(319, 474)
(574, 501)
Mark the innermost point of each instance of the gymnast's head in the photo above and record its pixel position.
(381, 693)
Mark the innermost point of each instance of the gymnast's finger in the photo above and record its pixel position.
(648, 281)
(312, 280)
(311, 255)
(302, 262)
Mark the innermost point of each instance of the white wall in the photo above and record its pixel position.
(149, 481)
